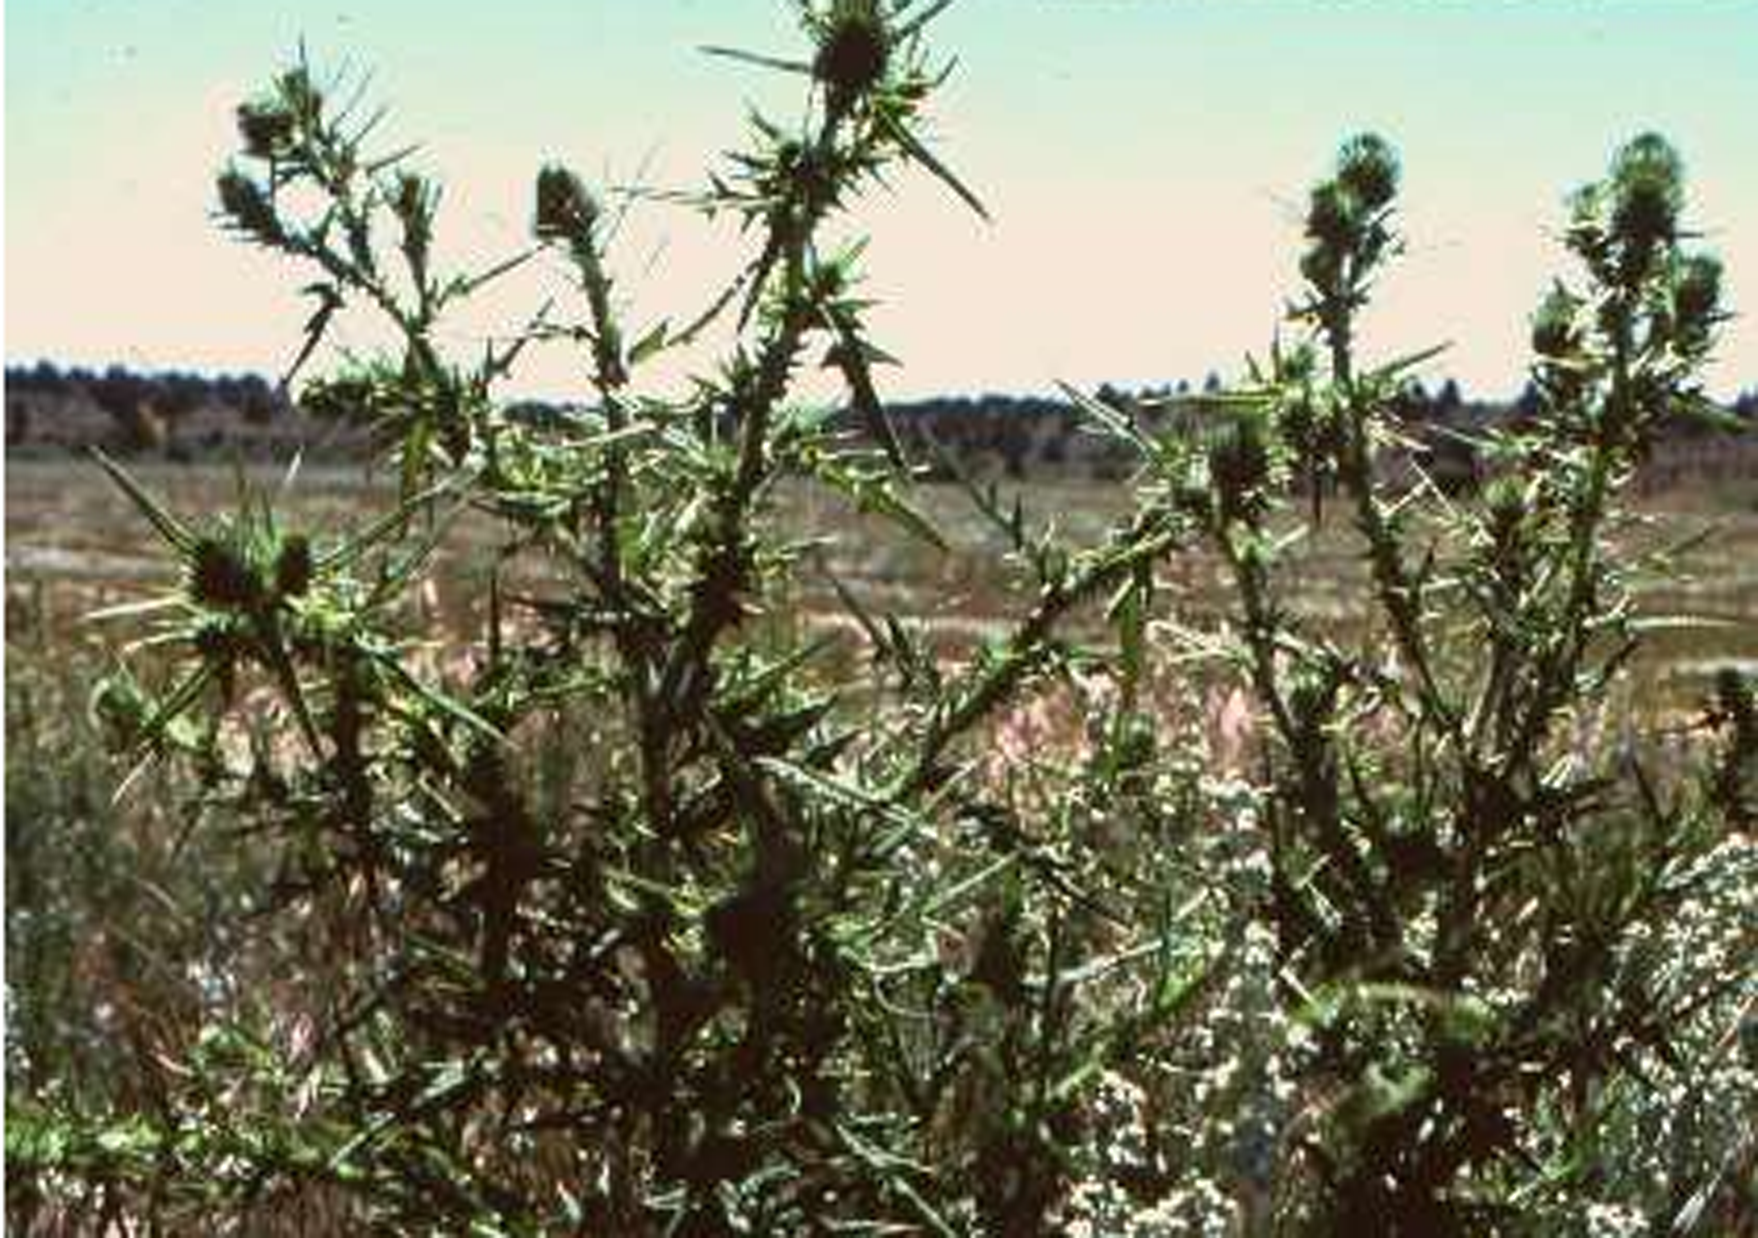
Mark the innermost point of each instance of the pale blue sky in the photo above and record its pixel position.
(1144, 159)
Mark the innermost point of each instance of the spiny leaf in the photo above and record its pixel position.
(175, 533)
(898, 133)
(758, 59)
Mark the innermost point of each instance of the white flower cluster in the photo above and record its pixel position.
(1663, 1138)
(1201, 1210)
(1101, 1206)
(1217, 1147)
(1611, 1221)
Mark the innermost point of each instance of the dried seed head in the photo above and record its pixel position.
(1368, 168)
(565, 210)
(854, 51)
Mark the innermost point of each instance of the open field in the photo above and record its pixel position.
(74, 544)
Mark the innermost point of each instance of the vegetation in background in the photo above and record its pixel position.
(647, 907)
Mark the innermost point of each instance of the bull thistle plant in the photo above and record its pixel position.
(774, 946)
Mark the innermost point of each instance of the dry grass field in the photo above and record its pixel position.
(74, 545)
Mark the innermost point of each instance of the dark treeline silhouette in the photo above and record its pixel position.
(172, 392)
(175, 412)
(170, 411)
(186, 415)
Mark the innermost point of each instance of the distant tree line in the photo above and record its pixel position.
(170, 393)
(1012, 435)
(50, 408)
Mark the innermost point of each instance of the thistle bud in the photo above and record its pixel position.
(122, 709)
(1000, 962)
(1697, 293)
(1586, 234)
(412, 196)
(1239, 465)
(222, 576)
(1738, 708)
(1313, 698)
(1647, 190)
(1553, 325)
(565, 210)
(248, 208)
(1336, 217)
(1322, 268)
(854, 51)
(296, 90)
(215, 640)
(266, 129)
(293, 566)
(349, 398)
(414, 205)
(1298, 420)
(1368, 168)
(1504, 505)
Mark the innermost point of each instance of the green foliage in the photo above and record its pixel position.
(631, 909)
(1467, 867)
